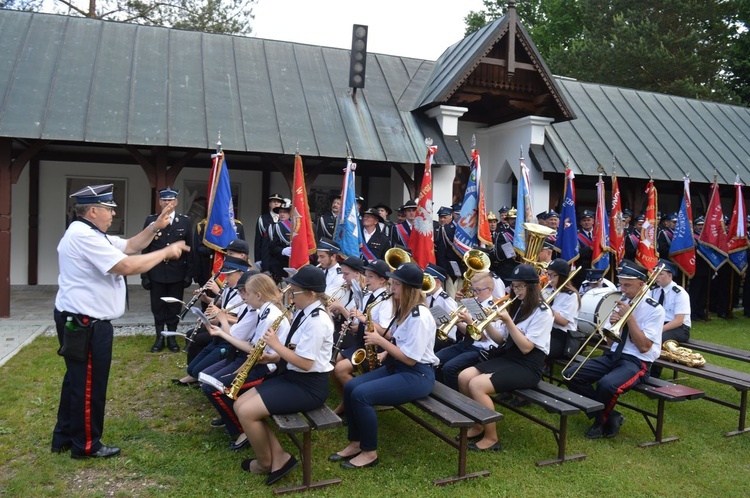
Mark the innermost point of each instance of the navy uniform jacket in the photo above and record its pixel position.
(377, 245)
(400, 234)
(444, 252)
(279, 237)
(664, 241)
(177, 270)
(261, 234)
(585, 248)
(502, 265)
(326, 226)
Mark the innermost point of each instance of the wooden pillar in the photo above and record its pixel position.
(33, 238)
(5, 212)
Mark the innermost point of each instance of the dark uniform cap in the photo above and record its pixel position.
(286, 204)
(96, 194)
(560, 267)
(381, 205)
(548, 244)
(354, 263)
(587, 213)
(328, 245)
(542, 215)
(232, 264)
(641, 217)
(668, 266)
(374, 213)
(672, 217)
(275, 197)
(360, 199)
(243, 279)
(378, 266)
(594, 275)
(309, 278)
(552, 214)
(503, 209)
(627, 212)
(238, 245)
(702, 220)
(457, 207)
(524, 273)
(444, 211)
(436, 271)
(410, 204)
(168, 194)
(633, 271)
(410, 274)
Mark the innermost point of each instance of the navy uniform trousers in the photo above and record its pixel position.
(612, 376)
(80, 416)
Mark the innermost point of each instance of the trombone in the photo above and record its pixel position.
(554, 294)
(615, 331)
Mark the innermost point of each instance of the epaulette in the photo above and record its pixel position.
(676, 289)
(338, 270)
(567, 291)
(444, 295)
(652, 302)
(315, 312)
(237, 222)
(265, 314)
(415, 311)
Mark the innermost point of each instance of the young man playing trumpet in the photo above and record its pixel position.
(629, 361)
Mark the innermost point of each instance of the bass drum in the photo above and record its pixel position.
(596, 306)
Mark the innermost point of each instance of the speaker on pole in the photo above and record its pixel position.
(358, 60)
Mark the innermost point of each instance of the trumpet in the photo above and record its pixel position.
(614, 332)
(337, 295)
(445, 328)
(497, 307)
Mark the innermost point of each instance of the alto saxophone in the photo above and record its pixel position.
(369, 352)
(252, 358)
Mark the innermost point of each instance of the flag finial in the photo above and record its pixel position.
(428, 141)
(614, 164)
(297, 148)
(716, 176)
(600, 169)
(348, 151)
(521, 158)
(218, 143)
(473, 141)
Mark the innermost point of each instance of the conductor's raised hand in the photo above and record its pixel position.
(165, 217)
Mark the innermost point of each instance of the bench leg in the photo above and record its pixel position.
(306, 452)
(658, 431)
(741, 429)
(562, 437)
(462, 448)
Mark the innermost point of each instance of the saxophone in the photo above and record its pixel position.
(252, 358)
(672, 351)
(369, 352)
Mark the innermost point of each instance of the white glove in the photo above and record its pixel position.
(259, 265)
(287, 251)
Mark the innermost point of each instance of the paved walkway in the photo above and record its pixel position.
(31, 309)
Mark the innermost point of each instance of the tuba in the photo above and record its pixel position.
(536, 234)
(395, 257)
(614, 332)
(428, 283)
(476, 261)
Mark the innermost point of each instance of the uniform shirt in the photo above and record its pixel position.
(566, 303)
(382, 313)
(604, 283)
(85, 256)
(231, 298)
(334, 279)
(486, 342)
(314, 339)
(443, 300)
(676, 302)
(649, 315)
(537, 327)
(499, 290)
(267, 314)
(415, 337)
(245, 326)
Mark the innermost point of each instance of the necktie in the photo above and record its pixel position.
(370, 300)
(621, 344)
(661, 297)
(326, 273)
(432, 301)
(281, 365)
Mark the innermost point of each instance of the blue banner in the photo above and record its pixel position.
(524, 211)
(713, 257)
(466, 229)
(220, 227)
(348, 233)
(567, 231)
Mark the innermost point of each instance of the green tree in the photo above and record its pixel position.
(677, 47)
(738, 60)
(211, 16)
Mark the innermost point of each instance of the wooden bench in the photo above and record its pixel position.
(718, 350)
(456, 411)
(554, 399)
(740, 381)
(292, 424)
(653, 388)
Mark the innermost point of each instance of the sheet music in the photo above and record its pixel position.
(203, 318)
(211, 381)
(508, 250)
(473, 306)
(440, 315)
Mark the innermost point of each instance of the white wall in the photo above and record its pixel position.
(19, 229)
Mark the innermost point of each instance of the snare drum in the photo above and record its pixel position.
(596, 305)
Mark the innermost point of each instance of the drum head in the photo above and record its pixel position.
(596, 305)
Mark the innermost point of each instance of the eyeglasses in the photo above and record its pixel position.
(516, 287)
(479, 289)
(108, 208)
(297, 293)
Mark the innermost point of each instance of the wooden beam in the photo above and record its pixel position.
(24, 157)
(286, 171)
(148, 167)
(500, 62)
(33, 238)
(6, 167)
(408, 181)
(176, 168)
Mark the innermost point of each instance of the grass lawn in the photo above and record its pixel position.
(169, 448)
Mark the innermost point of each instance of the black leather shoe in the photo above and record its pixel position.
(614, 422)
(595, 431)
(494, 447)
(172, 345)
(158, 344)
(289, 466)
(349, 465)
(338, 458)
(60, 449)
(177, 382)
(103, 452)
(238, 446)
(217, 422)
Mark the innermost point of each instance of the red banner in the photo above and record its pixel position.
(303, 238)
(714, 231)
(421, 242)
(616, 223)
(646, 255)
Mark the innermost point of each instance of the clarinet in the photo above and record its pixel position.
(197, 296)
(342, 336)
(189, 337)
